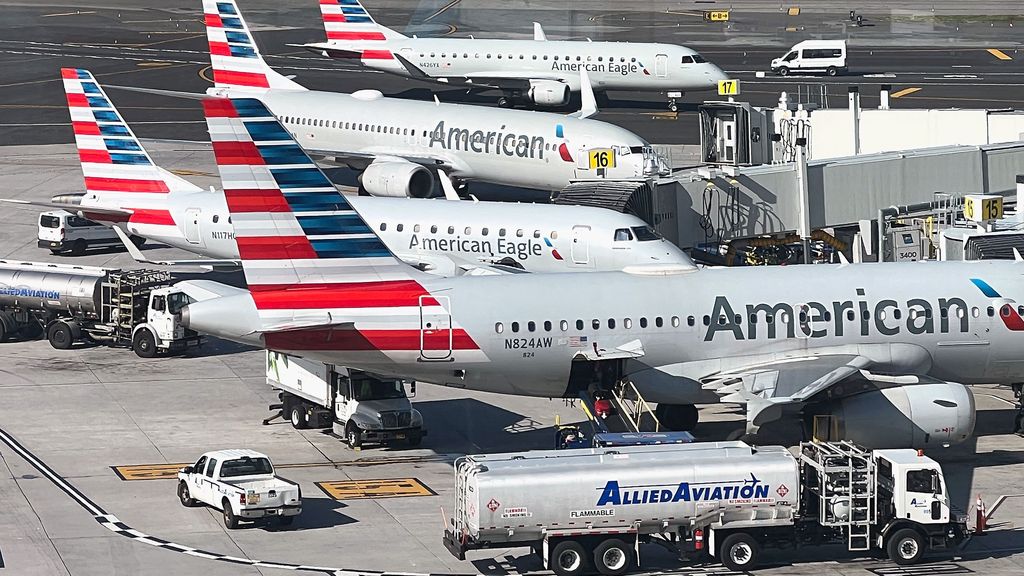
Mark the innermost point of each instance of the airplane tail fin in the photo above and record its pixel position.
(118, 171)
(346, 21)
(304, 249)
(234, 56)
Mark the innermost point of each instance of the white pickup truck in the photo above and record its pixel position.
(242, 484)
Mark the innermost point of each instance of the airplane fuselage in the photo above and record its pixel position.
(512, 147)
(610, 65)
(519, 334)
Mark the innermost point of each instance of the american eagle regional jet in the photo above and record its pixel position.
(539, 71)
(126, 189)
(887, 359)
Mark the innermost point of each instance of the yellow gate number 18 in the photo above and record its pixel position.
(728, 87)
(602, 158)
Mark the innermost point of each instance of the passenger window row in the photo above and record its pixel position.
(595, 324)
(466, 56)
(502, 232)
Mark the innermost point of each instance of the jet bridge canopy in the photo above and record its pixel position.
(630, 197)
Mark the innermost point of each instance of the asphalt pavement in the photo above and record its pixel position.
(934, 54)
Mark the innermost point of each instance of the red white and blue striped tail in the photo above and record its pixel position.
(236, 60)
(347, 21)
(118, 171)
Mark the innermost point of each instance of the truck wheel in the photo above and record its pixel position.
(144, 343)
(230, 520)
(568, 558)
(297, 414)
(905, 547)
(354, 436)
(832, 71)
(60, 336)
(78, 248)
(186, 499)
(739, 552)
(612, 557)
(415, 438)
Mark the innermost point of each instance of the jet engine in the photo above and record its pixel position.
(548, 93)
(912, 416)
(397, 179)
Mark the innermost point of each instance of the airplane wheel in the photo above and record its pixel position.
(504, 102)
(673, 107)
(677, 417)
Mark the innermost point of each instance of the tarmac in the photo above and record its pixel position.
(90, 439)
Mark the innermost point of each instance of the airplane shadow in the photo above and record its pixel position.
(469, 426)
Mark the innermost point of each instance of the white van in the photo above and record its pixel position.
(828, 56)
(62, 231)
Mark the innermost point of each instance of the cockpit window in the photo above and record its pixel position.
(623, 234)
(698, 59)
(645, 233)
(687, 59)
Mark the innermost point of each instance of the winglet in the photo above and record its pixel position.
(1016, 255)
(447, 186)
(588, 102)
(538, 32)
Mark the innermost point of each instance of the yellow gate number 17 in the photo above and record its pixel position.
(602, 158)
(728, 87)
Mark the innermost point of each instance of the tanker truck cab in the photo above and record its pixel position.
(163, 331)
(913, 504)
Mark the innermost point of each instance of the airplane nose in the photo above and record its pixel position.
(716, 75)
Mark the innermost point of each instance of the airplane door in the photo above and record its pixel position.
(435, 328)
(192, 233)
(581, 244)
(661, 65)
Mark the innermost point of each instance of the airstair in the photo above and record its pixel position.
(629, 411)
(839, 480)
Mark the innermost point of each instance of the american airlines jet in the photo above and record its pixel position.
(399, 143)
(125, 188)
(540, 71)
(887, 358)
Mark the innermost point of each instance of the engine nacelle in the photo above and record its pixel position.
(397, 179)
(548, 93)
(913, 416)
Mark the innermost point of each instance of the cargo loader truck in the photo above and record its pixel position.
(69, 304)
(360, 407)
(588, 510)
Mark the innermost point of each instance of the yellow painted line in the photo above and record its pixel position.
(373, 489)
(153, 64)
(904, 92)
(148, 471)
(442, 10)
(67, 14)
(999, 54)
(790, 28)
(190, 173)
(794, 11)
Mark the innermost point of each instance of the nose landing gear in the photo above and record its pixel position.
(672, 97)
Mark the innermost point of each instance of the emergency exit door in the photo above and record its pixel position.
(192, 232)
(661, 65)
(580, 244)
(435, 328)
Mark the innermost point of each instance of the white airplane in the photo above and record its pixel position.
(884, 348)
(539, 71)
(398, 144)
(125, 188)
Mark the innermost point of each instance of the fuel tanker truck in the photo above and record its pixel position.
(69, 304)
(589, 510)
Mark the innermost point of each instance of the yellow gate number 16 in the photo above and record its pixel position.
(602, 158)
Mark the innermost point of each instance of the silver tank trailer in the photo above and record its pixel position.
(55, 287)
(514, 497)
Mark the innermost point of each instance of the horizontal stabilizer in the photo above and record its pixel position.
(76, 209)
(138, 256)
(158, 92)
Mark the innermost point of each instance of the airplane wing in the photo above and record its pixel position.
(76, 209)
(208, 263)
(773, 388)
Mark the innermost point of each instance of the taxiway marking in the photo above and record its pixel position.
(904, 92)
(999, 54)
